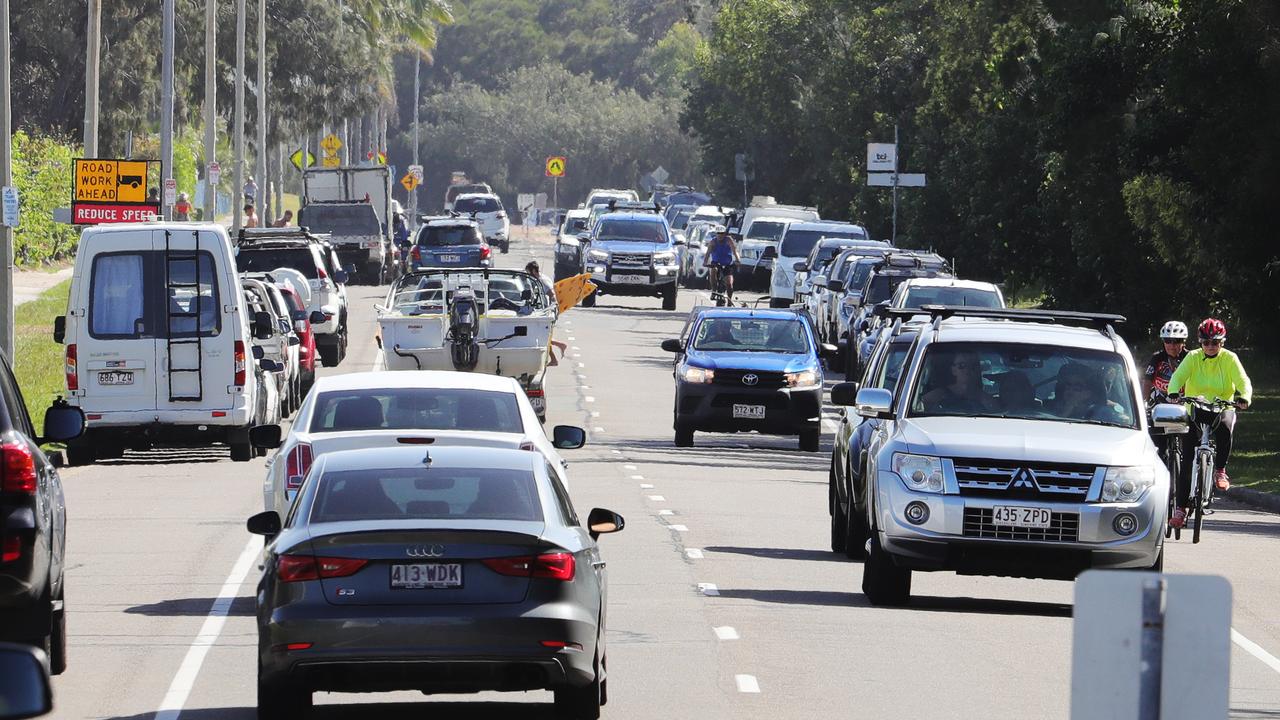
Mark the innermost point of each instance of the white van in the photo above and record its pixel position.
(798, 239)
(763, 223)
(158, 341)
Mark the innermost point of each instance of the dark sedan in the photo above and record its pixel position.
(442, 570)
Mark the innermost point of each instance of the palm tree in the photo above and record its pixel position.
(413, 21)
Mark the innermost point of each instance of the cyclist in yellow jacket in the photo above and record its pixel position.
(1214, 373)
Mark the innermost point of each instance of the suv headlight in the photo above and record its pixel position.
(697, 375)
(597, 255)
(922, 473)
(664, 258)
(1127, 484)
(802, 379)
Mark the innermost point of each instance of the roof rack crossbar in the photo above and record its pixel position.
(1101, 321)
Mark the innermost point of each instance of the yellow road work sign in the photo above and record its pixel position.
(114, 181)
(331, 143)
(555, 166)
(571, 290)
(331, 161)
(409, 181)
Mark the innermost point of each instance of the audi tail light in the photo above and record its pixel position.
(73, 377)
(19, 468)
(297, 568)
(240, 364)
(297, 463)
(12, 549)
(550, 566)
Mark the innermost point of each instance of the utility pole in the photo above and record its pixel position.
(93, 57)
(894, 240)
(166, 105)
(238, 173)
(210, 107)
(6, 179)
(417, 90)
(264, 185)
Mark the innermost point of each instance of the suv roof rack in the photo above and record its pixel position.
(252, 235)
(1101, 321)
(616, 205)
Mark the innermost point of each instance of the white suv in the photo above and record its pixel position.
(488, 212)
(1015, 443)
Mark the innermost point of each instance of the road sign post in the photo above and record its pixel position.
(555, 170)
(107, 191)
(882, 171)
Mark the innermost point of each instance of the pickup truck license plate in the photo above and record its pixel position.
(426, 575)
(1022, 517)
(450, 258)
(370, 244)
(631, 279)
(748, 412)
(115, 377)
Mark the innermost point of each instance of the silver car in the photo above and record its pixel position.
(1011, 448)
(437, 569)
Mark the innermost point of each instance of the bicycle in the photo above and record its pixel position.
(721, 294)
(1201, 494)
(1172, 454)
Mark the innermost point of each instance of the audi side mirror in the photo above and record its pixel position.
(264, 523)
(601, 522)
(568, 437)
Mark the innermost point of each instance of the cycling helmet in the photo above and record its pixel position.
(1173, 330)
(1213, 329)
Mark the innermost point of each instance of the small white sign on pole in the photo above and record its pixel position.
(215, 172)
(416, 171)
(12, 208)
(170, 191)
(882, 157)
(895, 179)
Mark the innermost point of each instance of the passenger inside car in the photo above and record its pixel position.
(959, 384)
(1079, 394)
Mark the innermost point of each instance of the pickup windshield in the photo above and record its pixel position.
(765, 230)
(477, 205)
(751, 335)
(1031, 382)
(637, 230)
(340, 220)
(798, 243)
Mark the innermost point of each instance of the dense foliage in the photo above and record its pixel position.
(42, 172)
(1113, 155)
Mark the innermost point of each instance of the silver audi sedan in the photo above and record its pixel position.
(438, 569)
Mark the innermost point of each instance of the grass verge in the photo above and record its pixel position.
(1255, 458)
(38, 360)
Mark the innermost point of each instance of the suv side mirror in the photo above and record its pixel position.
(568, 437)
(60, 329)
(800, 267)
(264, 523)
(672, 345)
(317, 317)
(27, 691)
(62, 422)
(266, 437)
(873, 403)
(601, 522)
(258, 352)
(769, 252)
(341, 277)
(294, 340)
(835, 286)
(845, 393)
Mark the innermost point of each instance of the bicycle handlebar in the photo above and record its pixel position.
(1216, 406)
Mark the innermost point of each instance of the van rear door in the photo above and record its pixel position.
(116, 342)
(193, 277)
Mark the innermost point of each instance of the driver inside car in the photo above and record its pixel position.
(1080, 395)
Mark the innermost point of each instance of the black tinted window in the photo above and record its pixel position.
(268, 259)
(427, 493)
(140, 295)
(416, 409)
(480, 204)
(798, 243)
(449, 236)
(358, 219)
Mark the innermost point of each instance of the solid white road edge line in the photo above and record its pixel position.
(747, 683)
(725, 632)
(708, 589)
(1255, 650)
(185, 679)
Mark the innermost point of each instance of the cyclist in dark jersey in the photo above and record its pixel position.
(721, 257)
(1155, 381)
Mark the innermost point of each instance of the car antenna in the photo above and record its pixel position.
(426, 458)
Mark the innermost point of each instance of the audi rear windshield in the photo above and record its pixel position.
(427, 493)
(798, 243)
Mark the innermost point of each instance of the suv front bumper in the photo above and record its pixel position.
(958, 534)
(710, 407)
(658, 279)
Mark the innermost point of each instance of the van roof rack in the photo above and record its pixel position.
(1100, 321)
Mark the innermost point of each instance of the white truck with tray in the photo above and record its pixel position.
(336, 202)
(497, 322)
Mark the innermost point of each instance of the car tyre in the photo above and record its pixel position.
(669, 297)
(1158, 565)
(839, 525)
(282, 701)
(580, 703)
(810, 440)
(57, 644)
(81, 453)
(855, 532)
(684, 435)
(590, 300)
(883, 582)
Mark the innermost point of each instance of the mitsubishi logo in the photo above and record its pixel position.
(750, 379)
(1024, 478)
(424, 551)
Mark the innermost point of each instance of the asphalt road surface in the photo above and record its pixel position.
(725, 601)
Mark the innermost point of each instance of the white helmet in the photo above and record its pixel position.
(1173, 330)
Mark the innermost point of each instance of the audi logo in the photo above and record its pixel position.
(750, 379)
(424, 551)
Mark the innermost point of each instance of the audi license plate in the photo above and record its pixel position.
(631, 279)
(450, 258)
(115, 377)
(426, 575)
(1022, 517)
(748, 412)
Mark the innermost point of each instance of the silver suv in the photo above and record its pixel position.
(1014, 443)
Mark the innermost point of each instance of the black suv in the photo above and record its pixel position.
(33, 533)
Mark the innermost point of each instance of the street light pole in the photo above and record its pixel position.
(210, 107)
(6, 179)
(166, 104)
(417, 90)
(264, 185)
(238, 180)
(93, 57)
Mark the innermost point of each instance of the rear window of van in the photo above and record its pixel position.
(138, 294)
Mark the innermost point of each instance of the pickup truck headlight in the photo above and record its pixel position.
(664, 258)
(922, 473)
(802, 379)
(597, 255)
(1127, 484)
(697, 375)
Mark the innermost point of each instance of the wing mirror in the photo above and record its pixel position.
(800, 267)
(62, 422)
(294, 340)
(262, 329)
(258, 352)
(769, 252)
(672, 346)
(26, 691)
(341, 277)
(568, 437)
(845, 393)
(835, 286)
(602, 522)
(829, 351)
(266, 437)
(317, 317)
(60, 329)
(873, 403)
(1170, 417)
(264, 523)
(269, 365)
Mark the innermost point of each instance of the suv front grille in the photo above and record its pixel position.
(772, 380)
(1063, 527)
(1006, 479)
(630, 260)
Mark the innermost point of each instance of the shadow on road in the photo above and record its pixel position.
(921, 603)
(1241, 527)
(187, 607)
(780, 553)
(384, 711)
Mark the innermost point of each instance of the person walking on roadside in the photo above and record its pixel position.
(250, 190)
(250, 217)
(182, 208)
(533, 269)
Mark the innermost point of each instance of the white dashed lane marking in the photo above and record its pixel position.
(708, 589)
(693, 554)
(726, 633)
(679, 528)
(747, 683)
(666, 512)
(646, 486)
(657, 498)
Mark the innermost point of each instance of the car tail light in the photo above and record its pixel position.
(416, 254)
(485, 251)
(12, 549)
(551, 566)
(19, 469)
(241, 366)
(322, 274)
(73, 377)
(296, 465)
(528, 445)
(297, 568)
(561, 645)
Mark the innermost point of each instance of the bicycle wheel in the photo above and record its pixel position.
(1201, 473)
(1174, 460)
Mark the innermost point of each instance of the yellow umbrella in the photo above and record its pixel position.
(571, 290)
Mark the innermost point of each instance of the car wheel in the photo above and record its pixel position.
(342, 343)
(883, 582)
(278, 700)
(580, 703)
(58, 635)
(684, 435)
(1158, 565)
(851, 370)
(669, 297)
(810, 440)
(81, 453)
(855, 532)
(590, 300)
(838, 523)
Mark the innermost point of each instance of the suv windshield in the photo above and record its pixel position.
(357, 219)
(798, 243)
(449, 236)
(416, 409)
(638, 230)
(477, 205)
(973, 297)
(751, 335)
(765, 230)
(1015, 380)
(267, 259)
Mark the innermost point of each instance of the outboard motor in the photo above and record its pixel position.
(464, 329)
